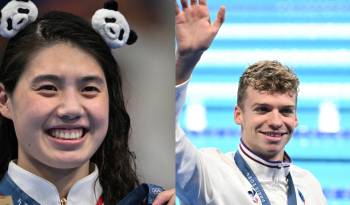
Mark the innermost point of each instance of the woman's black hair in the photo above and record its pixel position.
(115, 161)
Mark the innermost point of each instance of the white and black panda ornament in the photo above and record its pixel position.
(113, 26)
(16, 15)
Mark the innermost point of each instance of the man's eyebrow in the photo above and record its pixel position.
(268, 105)
(260, 104)
(289, 106)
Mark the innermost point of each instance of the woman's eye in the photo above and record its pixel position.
(48, 87)
(90, 91)
(47, 90)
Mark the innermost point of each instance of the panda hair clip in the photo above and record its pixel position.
(16, 15)
(108, 22)
(113, 26)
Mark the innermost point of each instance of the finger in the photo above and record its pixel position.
(164, 197)
(177, 9)
(220, 18)
(202, 2)
(193, 2)
(184, 4)
(172, 200)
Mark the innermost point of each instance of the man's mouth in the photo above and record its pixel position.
(67, 133)
(273, 133)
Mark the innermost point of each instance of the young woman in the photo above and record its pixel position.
(63, 124)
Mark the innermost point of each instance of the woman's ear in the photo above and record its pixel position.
(4, 103)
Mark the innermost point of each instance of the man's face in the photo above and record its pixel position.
(267, 121)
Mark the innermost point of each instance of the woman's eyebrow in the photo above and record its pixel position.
(46, 77)
(92, 78)
(58, 79)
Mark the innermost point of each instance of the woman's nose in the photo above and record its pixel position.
(70, 108)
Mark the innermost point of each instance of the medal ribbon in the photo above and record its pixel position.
(253, 180)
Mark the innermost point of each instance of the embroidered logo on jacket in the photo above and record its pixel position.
(253, 196)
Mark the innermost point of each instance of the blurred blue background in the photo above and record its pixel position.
(310, 36)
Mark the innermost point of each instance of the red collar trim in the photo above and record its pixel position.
(100, 201)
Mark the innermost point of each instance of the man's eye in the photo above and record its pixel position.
(287, 111)
(261, 109)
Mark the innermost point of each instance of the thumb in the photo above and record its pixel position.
(220, 18)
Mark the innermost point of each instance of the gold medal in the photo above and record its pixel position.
(6, 200)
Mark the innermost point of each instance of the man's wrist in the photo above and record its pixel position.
(185, 64)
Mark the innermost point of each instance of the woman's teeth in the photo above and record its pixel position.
(67, 133)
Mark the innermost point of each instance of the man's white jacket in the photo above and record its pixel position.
(208, 176)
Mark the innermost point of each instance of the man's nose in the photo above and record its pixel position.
(70, 108)
(275, 120)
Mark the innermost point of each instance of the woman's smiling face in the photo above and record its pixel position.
(59, 108)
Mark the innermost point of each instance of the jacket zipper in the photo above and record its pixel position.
(63, 201)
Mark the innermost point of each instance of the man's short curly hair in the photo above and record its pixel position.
(270, 76)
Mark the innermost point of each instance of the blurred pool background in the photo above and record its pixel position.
(310, 36)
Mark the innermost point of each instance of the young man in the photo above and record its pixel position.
(260, 172)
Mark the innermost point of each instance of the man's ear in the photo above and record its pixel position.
(238, 115)
(4, 103)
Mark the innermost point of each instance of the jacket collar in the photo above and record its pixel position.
(86, 191)
(265, 169)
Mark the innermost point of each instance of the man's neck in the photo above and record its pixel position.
(265, 155)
